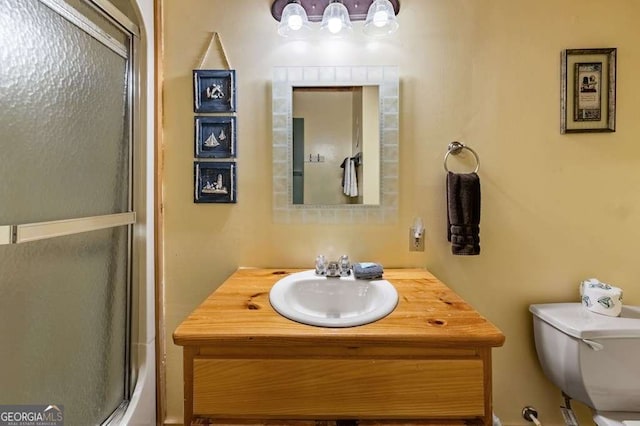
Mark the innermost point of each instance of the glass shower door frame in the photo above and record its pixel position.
(26, 232)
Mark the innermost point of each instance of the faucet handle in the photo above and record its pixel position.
(321, 265)
(345, 265)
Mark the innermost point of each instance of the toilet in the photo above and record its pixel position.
(593, 358)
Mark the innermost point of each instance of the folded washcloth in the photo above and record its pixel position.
(463, 213)
(367, 270)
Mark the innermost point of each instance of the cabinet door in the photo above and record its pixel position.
(339, 388)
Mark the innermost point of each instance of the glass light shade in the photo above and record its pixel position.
(381, 19)
(335, 19)
(294, 21)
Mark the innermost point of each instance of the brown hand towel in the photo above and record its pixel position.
(463, 213)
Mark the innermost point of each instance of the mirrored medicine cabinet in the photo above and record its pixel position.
(335, 144)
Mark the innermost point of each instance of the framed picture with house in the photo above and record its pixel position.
(588, 90)
(214, 90)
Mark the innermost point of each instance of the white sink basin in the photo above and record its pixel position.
(332, 302)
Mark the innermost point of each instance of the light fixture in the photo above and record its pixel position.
(335, 19)
(294, 20)
(335, 16)
(381, 19)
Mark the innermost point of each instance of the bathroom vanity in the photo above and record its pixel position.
(428, 361)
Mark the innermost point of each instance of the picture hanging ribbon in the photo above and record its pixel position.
(215, 39)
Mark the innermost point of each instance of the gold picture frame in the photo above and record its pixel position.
(588, 90)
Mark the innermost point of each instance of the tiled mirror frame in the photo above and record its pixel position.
(284, 79)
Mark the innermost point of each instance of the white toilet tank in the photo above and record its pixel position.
(593, 358)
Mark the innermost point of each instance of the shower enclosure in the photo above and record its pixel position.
(68, 256)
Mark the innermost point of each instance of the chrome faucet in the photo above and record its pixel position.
(340, 268)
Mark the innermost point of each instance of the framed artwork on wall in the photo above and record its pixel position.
(214, 90)
(215, 182)
(588, 90)
(215, 137)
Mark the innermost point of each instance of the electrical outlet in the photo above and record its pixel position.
(415, 244)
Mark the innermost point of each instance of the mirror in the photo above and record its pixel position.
(335, 144)
(336, 149)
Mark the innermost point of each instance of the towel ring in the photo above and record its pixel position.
(454, 148)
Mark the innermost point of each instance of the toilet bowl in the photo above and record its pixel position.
(592, 358)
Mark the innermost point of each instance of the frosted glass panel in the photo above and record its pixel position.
(63, 323)
(63, 96)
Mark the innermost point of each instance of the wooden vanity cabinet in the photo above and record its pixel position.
(429, 360)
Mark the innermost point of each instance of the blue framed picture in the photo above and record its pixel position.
(215, 137)
(214, 90)
(215, 182)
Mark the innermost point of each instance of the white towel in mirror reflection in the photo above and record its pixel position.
(349, 180)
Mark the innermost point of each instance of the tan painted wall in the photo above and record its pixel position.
(357, 119)
(370, 170)
(555, 209)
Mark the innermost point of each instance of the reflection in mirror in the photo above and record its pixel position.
(325, 118)
(336, 151)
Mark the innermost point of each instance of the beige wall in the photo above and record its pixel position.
(369, 182)
(555, 208)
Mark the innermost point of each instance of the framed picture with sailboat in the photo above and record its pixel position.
(215, 137)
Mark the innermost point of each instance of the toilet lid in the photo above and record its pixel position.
(610, 418)
(573, 319)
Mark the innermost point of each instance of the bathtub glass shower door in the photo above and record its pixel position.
(65, 208)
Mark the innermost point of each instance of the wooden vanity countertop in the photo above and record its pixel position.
(428, 313)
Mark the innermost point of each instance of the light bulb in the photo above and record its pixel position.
(380, 18)
(334, 26)
(295, 22)
(335, 19)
